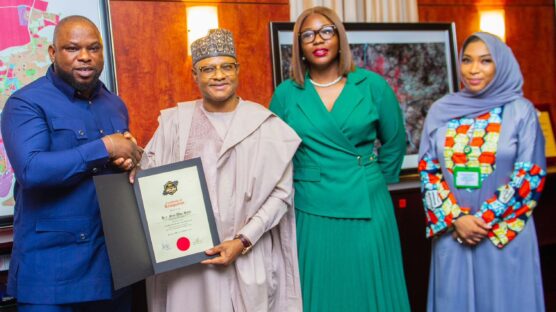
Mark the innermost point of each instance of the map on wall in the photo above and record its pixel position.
(27, 29)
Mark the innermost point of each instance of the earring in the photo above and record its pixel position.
(339, 51)
(303, 58)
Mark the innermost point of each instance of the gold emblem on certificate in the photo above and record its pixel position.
(170, 188)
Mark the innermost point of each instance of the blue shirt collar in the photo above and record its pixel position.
(66, 88)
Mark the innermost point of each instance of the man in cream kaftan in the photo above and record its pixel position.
(246, 153)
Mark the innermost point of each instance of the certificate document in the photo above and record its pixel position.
(175, 213)
(163, 222)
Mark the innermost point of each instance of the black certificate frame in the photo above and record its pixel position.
(185, 260)
(125, 226)
(417, 84)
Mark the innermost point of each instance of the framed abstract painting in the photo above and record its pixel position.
(417, 59)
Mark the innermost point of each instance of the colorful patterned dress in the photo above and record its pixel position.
(501, 273)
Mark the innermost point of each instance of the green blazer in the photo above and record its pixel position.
(336, 170)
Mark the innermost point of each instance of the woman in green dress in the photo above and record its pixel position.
(348, 243)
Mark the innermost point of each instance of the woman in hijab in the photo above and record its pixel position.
(482, 169)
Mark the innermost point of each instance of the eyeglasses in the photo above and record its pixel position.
(326, 32)
(228, 69)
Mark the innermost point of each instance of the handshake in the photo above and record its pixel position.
(124, 152)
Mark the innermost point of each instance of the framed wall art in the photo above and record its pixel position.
(547, 125)
(417, 59)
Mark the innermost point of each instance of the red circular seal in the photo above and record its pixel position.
(183, 243)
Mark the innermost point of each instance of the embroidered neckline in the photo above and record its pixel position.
(472, 142)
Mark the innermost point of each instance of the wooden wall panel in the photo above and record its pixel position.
(211, 2)
(154, 71)
(533, 39)
(150, 60)
(530, 32)
(423, 3)
(464, 16)
(153, 68)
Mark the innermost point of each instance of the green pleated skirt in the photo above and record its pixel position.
(352, 264)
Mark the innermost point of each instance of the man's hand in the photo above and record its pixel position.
(130, 136)
(118, 146)
(470, 230)
(128, 164)
(229, 251)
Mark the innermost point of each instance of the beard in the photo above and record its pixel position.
(79, 86)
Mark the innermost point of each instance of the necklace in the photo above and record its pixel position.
(328, 84)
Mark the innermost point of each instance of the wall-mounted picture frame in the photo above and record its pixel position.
(27, 29)
(417, 59)
(548, 127)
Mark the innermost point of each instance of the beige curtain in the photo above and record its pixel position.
(386, 11)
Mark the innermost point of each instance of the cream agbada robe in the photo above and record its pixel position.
(254, 191)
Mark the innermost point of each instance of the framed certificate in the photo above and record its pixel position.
(162, 222)
(176, 213)
(547, 126)
(418, 60)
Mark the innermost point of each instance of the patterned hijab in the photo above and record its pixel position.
(505, 87)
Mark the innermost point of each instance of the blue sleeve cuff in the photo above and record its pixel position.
(94, 154)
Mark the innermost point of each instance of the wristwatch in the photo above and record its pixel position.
(245, 242)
